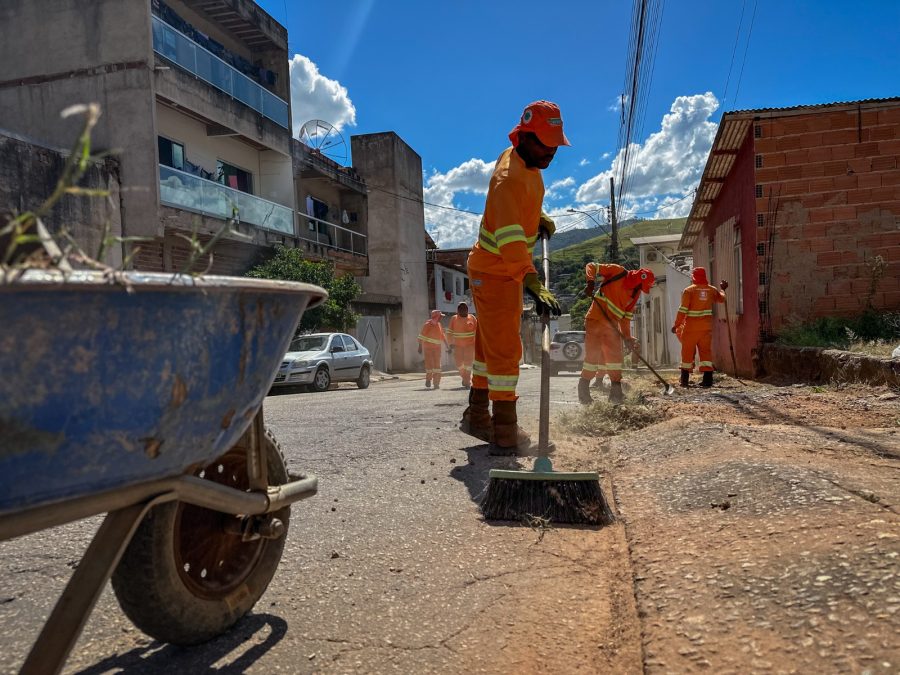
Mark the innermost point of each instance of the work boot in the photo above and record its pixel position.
(584, 391)
(615, 393)
(707, 379)
(476, 419)
(428, 384)
(509, 439)
(685, 378)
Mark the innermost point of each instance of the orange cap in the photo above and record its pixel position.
(543, 119)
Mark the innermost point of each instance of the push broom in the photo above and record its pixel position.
(560, 497)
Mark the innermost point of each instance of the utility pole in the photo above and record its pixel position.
(614, 235)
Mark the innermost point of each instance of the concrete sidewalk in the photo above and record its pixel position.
(763, 548)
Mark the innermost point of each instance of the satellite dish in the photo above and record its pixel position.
(322, 137)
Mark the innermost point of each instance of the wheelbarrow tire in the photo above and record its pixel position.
(154, 593)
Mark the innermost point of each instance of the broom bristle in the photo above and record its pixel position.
(559, 501)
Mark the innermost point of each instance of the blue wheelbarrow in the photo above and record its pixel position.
(140, 396)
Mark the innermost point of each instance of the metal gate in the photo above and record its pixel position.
(370, 330)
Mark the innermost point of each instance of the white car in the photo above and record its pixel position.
(567, 351)
(319, 359)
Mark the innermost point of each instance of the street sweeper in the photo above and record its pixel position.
(431, 341)
(461, 333)
(500, 265)
(694, 325)
(614, 292)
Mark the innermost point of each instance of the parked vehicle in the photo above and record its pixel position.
(566, 351)
(319, 359)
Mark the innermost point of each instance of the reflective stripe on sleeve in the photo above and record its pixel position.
(429, 340)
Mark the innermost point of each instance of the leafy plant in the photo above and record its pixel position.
(288, 264)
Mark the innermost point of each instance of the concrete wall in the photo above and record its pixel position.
(396, 240)
(837, 174)
(51, 57)
(28, 175)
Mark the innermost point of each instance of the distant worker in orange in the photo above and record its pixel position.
(461, 334)
(500, 265)
(614, 292)
(431, 337)
(694, 324)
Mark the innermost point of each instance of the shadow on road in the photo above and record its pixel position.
(214, 656)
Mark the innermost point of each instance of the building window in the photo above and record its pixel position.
(234, 177)
(757, 131)
(759, 191)
(760, 219)
(170, 153)
(657, 317)
(758, 160)
(762, 278)
(760, 249)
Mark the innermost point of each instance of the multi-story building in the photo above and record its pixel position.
(195, 106)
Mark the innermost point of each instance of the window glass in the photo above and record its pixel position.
(349, 345)
(308, 343)
(337, 344)
(233, 177)
(170, 153)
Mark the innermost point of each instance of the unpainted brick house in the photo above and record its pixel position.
(793, 208)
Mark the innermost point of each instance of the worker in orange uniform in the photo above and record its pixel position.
(694, 324)
(461, 334)
(500, 265)
(614, 292)
(431, 337)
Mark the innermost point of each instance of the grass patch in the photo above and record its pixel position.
(872, 332)
(604, 419)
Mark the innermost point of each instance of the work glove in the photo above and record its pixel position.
(449, 349)
(543, 299)
(589, 289)
(675, 329)
(723, 285)
(547, 225)
(633, 345)
(420, 347)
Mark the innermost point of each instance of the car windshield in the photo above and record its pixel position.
(575, 336)
(308, 343)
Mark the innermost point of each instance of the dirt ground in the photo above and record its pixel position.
(763, 525)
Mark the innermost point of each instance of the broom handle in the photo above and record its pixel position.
(544, 420)
(619, 331)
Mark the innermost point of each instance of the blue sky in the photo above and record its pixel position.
(451, 78)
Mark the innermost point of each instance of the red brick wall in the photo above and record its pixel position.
(835, 179)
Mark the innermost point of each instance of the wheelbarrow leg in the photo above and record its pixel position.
(74, 606)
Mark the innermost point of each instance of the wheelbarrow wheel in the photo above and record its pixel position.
(185, 578)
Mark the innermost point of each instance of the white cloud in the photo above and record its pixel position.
(559, 187)
(453, 229)
(314, 96)
(617, 103)
(606, 155)
(584, 162)
(669, 162)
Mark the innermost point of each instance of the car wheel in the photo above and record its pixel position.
(364, 377)
(322, 379)
(572, 351)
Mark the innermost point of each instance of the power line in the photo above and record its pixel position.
(746, 48)
(737, 38)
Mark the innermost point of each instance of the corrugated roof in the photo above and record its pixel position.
(733, 129)
(657, 239)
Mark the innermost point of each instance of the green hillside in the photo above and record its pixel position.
(567, 264)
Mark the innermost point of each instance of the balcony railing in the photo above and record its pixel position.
(332, 236)
(187, 191)
(180, 49)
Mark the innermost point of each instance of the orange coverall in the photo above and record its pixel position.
(602, 344)
(461, 334)
(431, 337)
(498, 263)
(694, 322)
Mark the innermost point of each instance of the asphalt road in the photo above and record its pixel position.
(388, 569)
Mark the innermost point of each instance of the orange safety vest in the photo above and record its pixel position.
(462, 330)
(509, 227)
(431, 335)
(696, 307)
(613, 298)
